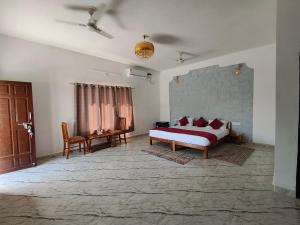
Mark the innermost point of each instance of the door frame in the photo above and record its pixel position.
(298, 157)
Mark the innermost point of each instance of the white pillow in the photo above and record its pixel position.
(191, 121)
(224, 126)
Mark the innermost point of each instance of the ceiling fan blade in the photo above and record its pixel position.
(103, 33)
(70, 23)
(114, 5)
(113, 11)
(117, 20)
(98, 13)
(189, 54)
(81, 7)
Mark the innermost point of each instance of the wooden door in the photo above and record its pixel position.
(17, 145)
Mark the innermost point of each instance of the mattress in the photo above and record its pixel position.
(190, 139)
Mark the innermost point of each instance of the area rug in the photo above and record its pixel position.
(235, 154)
(232, 153)
(178, 157)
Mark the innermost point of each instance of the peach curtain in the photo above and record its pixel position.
(100, 106)
(124, 106)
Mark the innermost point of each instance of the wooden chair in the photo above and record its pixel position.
(121, 127)
(70, 141)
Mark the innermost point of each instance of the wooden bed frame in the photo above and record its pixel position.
(198, 147)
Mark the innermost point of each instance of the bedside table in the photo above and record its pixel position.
(236, 138)
(162, 124)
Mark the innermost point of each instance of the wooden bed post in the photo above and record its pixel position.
(173, 146)
(174, 143)
(205, 153)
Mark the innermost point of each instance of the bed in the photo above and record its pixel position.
(200, 138)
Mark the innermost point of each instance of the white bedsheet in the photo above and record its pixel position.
(190, 139)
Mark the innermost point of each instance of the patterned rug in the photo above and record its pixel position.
(178, 157)
(235, 154)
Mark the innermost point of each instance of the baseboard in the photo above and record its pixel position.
(284, 191)
(137, 135)
(52, 155)
(263, 145)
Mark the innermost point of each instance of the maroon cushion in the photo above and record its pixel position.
(216, 124)
(183, 121)
(201, 122)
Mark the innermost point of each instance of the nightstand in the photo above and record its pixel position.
(236, 138)
(162, 124)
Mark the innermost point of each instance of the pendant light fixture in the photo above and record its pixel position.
(144, 49)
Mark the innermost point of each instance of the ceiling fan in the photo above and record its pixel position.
(180, 58)
(95, 15)
(183, 56)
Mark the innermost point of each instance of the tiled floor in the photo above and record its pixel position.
(124, 185)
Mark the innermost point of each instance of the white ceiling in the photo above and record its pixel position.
(204, 28)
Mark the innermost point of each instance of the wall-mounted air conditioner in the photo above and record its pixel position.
(138, 73)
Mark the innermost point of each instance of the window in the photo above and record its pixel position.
(101, 107)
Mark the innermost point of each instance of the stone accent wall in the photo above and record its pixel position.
(215, 92)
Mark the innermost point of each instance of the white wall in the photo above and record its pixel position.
(262, 59)
(51, 70)
(287, 90)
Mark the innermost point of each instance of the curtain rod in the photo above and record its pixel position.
(103, 85)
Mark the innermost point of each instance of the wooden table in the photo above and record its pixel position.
(112, 137)
(117, 134)
(237, 138)
(108, 136)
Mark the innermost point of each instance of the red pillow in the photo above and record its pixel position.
(216, 124)
(201, 122)
(183, 121)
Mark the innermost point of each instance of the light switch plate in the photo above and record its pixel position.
(236, 123)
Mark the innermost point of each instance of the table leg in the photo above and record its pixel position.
(110, 140)
(90, 146)
(125, 138)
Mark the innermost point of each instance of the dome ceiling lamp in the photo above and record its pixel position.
(144, 49)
